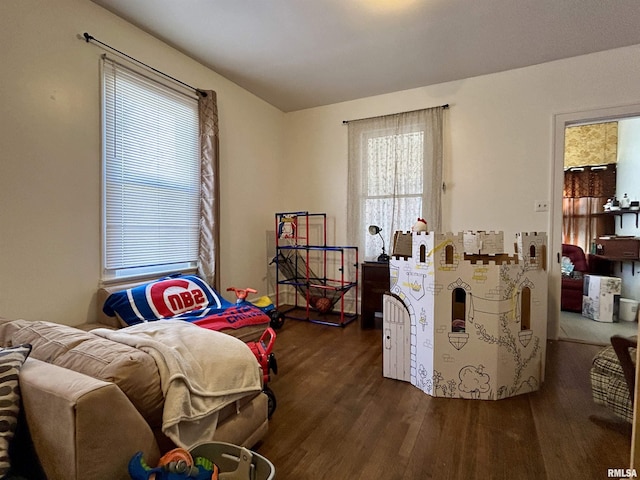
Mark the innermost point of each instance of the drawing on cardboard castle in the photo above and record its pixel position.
(464, 319)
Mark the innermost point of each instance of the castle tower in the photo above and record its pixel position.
(475, 316)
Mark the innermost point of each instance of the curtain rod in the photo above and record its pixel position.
(344, 122)
(88, 38)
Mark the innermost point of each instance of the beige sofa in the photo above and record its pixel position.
(91, 404)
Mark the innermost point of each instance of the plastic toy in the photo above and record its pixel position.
(262, 349)
(235, 462)
(420, 225)
(264, 303)
(177, 464)
(241, 293)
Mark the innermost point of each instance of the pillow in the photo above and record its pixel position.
(169, 297)
(11, 360)
(566, 267)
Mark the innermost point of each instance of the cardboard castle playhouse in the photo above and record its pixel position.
(464, 319)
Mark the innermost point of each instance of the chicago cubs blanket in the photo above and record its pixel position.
(201, 371)
(183, 297)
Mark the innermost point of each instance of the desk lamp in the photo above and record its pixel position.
(375, 230)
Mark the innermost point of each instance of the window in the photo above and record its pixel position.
(448, 255)
(458, 310)
(525, 309)
(151, 176)
(394, 187)
(395, 175)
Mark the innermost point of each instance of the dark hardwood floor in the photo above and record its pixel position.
(338, 418)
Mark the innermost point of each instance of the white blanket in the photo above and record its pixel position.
(201, 371)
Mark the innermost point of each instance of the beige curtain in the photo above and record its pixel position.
(209, 252)
(394, 176)
(583, 221)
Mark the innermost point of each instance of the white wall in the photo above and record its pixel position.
(499, 143)
(50, 157)
(498, 156)
(628, 181)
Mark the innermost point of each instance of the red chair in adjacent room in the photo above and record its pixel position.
(571, 297)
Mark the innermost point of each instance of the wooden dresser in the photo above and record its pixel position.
(375, 281)
(618, 248)
(611, 250)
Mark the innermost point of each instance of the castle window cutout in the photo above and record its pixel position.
(532, 253)
(448, 254)
(423, 253)
(525, 309)
(458, 310)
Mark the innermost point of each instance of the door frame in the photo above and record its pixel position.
(560, 122)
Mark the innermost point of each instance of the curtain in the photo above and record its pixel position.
(590, 182)
(586, 190)
(394, 176)
(583, 221)
(209, 251)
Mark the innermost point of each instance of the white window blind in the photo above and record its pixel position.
(151, 175)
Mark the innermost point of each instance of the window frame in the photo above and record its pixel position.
(189, 262)
(371, 244)
(430, 121)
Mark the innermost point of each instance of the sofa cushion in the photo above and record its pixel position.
(132, 370)
(8, 328)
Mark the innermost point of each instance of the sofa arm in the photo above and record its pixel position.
(82, 427)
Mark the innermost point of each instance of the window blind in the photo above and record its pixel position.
(151, 175)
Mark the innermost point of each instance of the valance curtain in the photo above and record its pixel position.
(394, 175)
(209, 251)
(586, 190)
(590, 182)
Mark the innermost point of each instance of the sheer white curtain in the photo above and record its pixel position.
(395, 176)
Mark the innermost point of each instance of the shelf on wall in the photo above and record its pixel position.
(621, 213)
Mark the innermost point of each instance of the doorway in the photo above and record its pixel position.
(561, 122)
(593, 152)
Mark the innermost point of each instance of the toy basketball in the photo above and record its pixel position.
(323, 305)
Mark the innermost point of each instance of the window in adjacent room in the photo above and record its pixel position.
(395, 175)
(151, 176)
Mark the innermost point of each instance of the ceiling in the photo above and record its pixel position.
(298, 54)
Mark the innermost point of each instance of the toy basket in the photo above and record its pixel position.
(234, 462)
